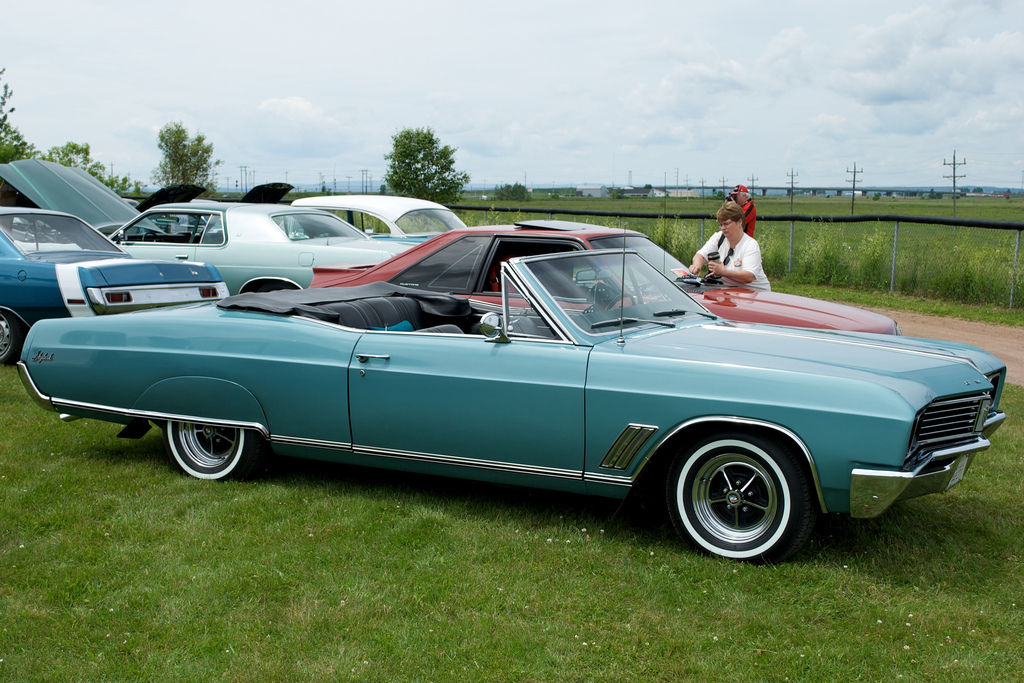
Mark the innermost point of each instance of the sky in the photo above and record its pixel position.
(552, 93)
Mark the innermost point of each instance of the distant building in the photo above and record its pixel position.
(591, 191)
(643, 191)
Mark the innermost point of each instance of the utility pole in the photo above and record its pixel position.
(687, 186)
(723, 187)
(702, 191)
(954, 176)
(853, 192)
(792, 178)
(752, 181)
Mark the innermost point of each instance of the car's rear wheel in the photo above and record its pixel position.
(741, 496)
(214, 452)
(12, 336)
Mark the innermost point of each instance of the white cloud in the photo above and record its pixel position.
(559, 92)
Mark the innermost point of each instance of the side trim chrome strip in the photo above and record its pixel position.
(491, 465)
(41, 399)
(311, 443)
(612, 479)
(61, 405)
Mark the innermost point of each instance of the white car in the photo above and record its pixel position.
(383, 216)
(256, 247)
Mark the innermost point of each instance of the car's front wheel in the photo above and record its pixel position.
(12, 336)
(214, 452)
(741, 496)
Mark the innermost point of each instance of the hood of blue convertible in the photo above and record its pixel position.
(898, 363)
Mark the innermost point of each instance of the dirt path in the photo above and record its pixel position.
(1003, 341)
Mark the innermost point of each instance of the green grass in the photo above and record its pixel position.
(114, 568)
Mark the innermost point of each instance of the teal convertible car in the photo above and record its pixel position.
(599, 376)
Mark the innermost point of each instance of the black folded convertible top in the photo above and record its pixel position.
(310, 302)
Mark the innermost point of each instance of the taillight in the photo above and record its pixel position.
(209, 292)
(119, 297)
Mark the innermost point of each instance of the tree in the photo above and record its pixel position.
(515, 193)
(79, 155)
(75, 155)
(418, 166)
(12, 145)
(186, 159)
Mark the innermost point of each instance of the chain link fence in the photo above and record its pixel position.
(967, 260)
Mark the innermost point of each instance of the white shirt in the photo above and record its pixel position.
(745, 256)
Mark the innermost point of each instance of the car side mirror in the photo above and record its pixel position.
(491, 328)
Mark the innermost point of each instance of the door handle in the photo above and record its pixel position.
(181, 257)
(363, 357)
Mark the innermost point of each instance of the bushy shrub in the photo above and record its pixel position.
(967, 273)
(873, 259)
(774, 242)
(824, 257)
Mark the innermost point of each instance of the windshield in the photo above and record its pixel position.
(307, 226)
(600, 290)
(32, 233)
(652, 253)
(429, 220)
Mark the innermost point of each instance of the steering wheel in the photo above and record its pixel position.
(605, 297)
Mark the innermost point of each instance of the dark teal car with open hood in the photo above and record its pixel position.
(598, 376)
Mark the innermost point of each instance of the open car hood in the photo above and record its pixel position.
(171, 194)
(46, 185)
(268, 193)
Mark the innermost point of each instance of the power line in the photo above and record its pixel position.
(853, 192)
(792, 181)
(954, 176)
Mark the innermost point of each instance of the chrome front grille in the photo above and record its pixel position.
(948, 419)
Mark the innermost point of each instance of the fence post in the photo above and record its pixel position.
(789, 268)
(1016, 259)
(895, 241)
(702, 232)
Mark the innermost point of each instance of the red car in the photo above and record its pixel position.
(467, 261)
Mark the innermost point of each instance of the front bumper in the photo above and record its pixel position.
(872, 492)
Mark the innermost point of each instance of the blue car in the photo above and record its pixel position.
(53, 265)
(598, 376)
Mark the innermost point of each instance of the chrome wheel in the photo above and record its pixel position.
(210, 447)
(208, 451)
(12, 336)
(734, 498)
(741, 496)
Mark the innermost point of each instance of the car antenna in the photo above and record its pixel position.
(621, 341)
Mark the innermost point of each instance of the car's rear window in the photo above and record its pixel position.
(308, 226)
(450, 269)
(32, 233)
